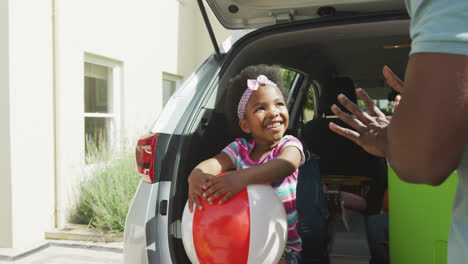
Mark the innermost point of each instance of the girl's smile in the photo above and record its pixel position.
(275, 124)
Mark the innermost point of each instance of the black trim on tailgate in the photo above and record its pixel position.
(161, 169)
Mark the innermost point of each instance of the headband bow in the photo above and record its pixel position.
(252, 85)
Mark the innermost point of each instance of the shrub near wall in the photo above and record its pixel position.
(105, 196)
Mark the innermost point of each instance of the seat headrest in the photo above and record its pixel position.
(330, 92)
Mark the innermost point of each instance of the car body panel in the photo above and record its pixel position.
(146, 238)
(151, 232)
(136, 237)
(178, 104)
(163, 223)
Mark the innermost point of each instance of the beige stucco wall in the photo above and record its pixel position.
(29, 89)
(204, 45)
(42, 132)
(146, 38)
(186, 42)
(5, 169)
(194, 44)
(120, 30)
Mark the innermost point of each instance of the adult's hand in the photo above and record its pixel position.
(370, 129)
(394, 82)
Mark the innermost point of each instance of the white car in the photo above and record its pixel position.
(323, 47)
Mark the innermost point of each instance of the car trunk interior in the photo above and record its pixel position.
(355, 48)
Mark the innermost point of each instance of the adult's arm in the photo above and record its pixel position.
(429, 130)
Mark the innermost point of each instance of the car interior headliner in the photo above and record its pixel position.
(358, 51)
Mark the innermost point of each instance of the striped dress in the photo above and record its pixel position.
(239, 151)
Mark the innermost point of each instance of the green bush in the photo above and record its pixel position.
(106, 194)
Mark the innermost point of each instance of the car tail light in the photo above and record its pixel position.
(145, 151)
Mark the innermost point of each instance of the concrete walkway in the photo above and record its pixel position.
(59, 252)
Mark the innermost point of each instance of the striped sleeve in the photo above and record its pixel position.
(232, 150)
(292, 141)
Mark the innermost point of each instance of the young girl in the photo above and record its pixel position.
(263, 156)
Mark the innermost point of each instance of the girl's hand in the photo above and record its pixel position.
(230, 184)
(202, 174)
(197, 184)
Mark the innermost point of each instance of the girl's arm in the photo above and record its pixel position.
(202, 173)
(274, 170)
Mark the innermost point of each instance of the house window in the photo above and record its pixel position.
(101, 104)
(170, 84)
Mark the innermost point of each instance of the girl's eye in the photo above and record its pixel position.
(280, 104)
(260, 108)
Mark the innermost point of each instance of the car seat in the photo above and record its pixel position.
(312, 212)
(339, 156)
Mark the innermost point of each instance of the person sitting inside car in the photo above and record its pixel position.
(262, 154)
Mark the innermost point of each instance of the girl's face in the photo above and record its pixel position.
(266, 116)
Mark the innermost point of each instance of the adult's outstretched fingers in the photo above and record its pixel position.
(370, 105)
(392, 80)
(364, 117)
(345, 132)
(397, 101)
(348, 119)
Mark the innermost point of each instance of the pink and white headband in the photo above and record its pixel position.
(252, 85)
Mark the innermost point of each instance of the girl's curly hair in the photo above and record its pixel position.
(237, 86)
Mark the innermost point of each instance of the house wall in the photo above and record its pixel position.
(146, 38)
(204, 45)
(115, 30)
(6, 237)
(194, 44)
(28, 115)
(42, 92)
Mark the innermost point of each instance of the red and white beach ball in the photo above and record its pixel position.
(251, 227)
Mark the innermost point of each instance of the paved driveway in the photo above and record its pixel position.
(70, 254)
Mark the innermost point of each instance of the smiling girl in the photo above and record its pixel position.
(261, 155)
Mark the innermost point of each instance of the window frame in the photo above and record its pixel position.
(114, 83)
(178, 79)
